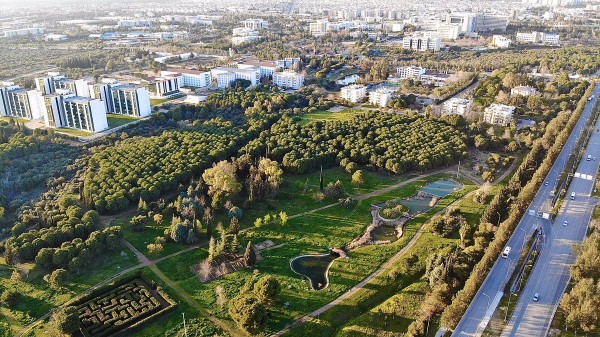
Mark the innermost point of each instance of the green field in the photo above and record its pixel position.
(158, 101)
(321, 115)
(118, 120)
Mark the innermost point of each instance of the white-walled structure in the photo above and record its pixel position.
(354, 93)
(421, 43)
(501, 41)
(380, 97)
(410, 72)
(74, 112)
(288, 79)
(523, 91)
(224, 76)
(456, 106)
(23, 32)
(189, 77)
(539, 37)
(18, 102)
(255, 24)
(164, 87)
(267, 68)
(499, 114)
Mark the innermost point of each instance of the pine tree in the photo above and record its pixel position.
(249, 255)
(234, 246)
(222, 245)
(211, 249)
(234, 226)
(321, 179)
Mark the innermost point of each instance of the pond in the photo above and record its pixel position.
(315, 268)
(424, 200)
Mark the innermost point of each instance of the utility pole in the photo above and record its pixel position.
(458, 170)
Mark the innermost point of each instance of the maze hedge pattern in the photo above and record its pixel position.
(119, 308)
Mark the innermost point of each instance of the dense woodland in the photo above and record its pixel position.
(395, 143)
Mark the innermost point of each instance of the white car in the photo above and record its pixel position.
(536, 297)
(565, 223)
(546, 183)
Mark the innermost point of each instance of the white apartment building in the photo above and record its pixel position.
(255, 24)
(189, 77)
(287, 62)
(318, 28)
(130, 100)
(421, 43)
(523, 91)
(380, 97)
(224, 76)
(134, 23)
(74, 112)
(288, 79)
(164, 87)
(18, 102)
(501, 41)
(477, 22)
(243, 35)
(410, 72)
(267, 68)
(456, 106)
(23, 32)
(538, 37)
(499, 114)
(354, 93)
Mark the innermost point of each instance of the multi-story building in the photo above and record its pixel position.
(243, 34)
(23, 32)
(287, 62)
(538, 37)
(456, 106)
(523, 91)
(18, 102)
(74, 112)
(288, 79)
(267, 68)
(122, 99)
(189, 77)
(499, 114)
(477, 22)
(410, 72)
(380, 97)
(55, 81)
(501, 41)
(255, 24)
(354, 93)
(318, 28)
(224, 76)
(435, 79)
(421, 43)
(164, 87)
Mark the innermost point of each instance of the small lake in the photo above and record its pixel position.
(314, 267)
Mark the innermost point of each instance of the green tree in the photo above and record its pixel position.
(249, 255)
(267, 289)
(248, 313)
(9, 297)
(66, 320)
(358, 178)
(57, 278)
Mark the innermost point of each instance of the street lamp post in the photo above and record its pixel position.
(498, 219)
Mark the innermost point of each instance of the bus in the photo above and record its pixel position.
(506, 252)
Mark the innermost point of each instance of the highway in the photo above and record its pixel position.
(484, 303)
(550, 275)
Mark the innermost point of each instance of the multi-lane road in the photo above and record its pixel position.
(551, 272)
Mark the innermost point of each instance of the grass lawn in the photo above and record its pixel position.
(312, 233)
(118, 120)
(158, 101)
(321, 115)
(8, 119)
(73, 132)
(140, 240)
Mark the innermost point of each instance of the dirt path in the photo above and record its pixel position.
(366, 280)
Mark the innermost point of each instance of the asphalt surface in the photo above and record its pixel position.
(550, 275)
(551, 271)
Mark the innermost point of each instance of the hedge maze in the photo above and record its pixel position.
(123, 306)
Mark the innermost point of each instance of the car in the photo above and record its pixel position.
(536, 297)
(565, 223)
(546, 183)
